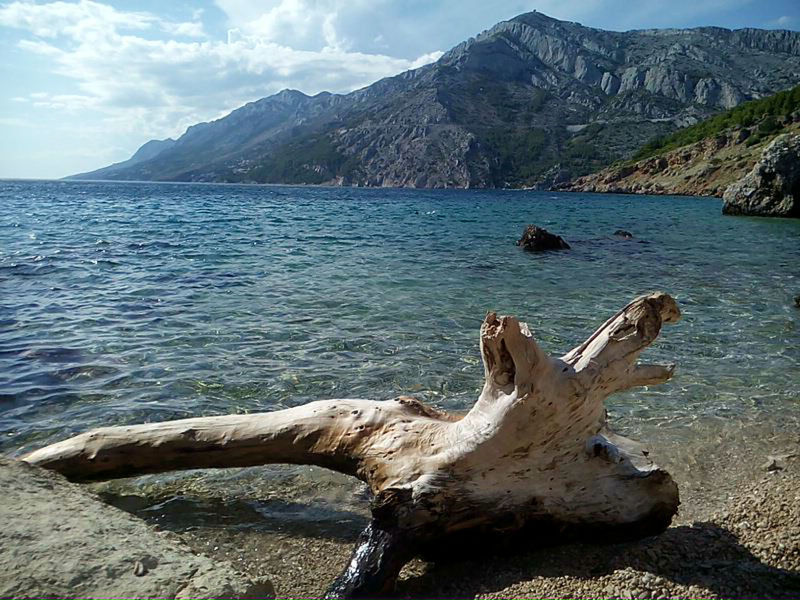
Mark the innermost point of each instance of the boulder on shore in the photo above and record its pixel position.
(537, 239)
(772, 188)
(58, 541)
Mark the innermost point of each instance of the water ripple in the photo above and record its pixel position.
(136, 302)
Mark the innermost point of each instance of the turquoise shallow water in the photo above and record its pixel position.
(124, 302)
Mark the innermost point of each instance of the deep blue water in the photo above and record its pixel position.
(129, 302)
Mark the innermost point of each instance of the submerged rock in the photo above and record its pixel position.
(537, 239)
(58, 541)
(624, 234)
(772, 188)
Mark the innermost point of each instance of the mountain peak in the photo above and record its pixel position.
(290, 95)
(536, 18)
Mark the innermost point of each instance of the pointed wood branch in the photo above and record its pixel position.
(328, 433)
(534, 450)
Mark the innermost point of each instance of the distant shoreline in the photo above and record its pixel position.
(350, 187)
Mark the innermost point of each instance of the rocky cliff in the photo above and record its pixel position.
(772, 187)
(530, 101)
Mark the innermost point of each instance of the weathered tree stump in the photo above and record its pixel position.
(533, 453)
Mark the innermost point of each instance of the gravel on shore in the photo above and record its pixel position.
(749, 548)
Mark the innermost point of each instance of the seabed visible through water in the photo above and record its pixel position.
(125, 302)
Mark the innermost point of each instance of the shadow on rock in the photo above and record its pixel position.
(185, 513)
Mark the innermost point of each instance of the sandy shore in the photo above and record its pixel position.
(746, 545)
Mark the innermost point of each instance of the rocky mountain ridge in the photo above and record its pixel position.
(528, 102)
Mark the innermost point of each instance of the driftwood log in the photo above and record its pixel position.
(533, 454)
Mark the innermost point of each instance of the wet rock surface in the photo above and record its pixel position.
(58, 541)
(772, 187)
(537, 239)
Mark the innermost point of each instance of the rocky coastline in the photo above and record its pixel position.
(754, 180)
(772, 187)
(705, 168)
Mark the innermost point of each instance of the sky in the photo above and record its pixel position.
(86, 82)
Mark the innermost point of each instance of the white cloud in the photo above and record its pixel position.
(66, 102)
(70, 19)
(301, 24)
(410, 29)
(78, 20)
(185, 29)
(783, 21)
(133, 80)
(426, 58)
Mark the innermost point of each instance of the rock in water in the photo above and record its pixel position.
(772, 188)
(57, 541)
(537, 239)
(624, 234)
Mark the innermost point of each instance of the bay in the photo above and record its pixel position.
(133, 302)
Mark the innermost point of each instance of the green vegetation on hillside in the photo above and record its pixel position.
(517, 151)
(764, 113)
(312, 160)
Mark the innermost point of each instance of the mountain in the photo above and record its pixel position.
(147, 151)
(704, 159)
(530, 101)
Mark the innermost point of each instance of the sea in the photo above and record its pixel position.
(123, 303)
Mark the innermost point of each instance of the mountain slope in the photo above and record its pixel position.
(702, 160)
(147, 151)
(529, 101)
